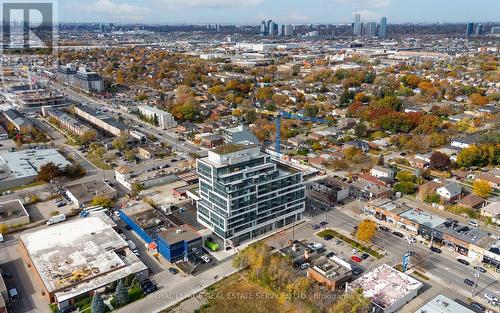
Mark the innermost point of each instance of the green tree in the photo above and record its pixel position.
(121, 294)
(136, 189)
(97, 304)
(96, 150)
(391, 102)
(405, 176)
(120, 142)
(406, 188)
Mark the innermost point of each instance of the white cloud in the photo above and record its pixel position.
(212, 4)
(292, 17)
(120, 11)
(368, 16)
(366, 3)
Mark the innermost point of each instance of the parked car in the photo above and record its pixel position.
(356, 271)
(464, 262)
(145, 283)
(127, 227)
(477, 306)
(323, 223)
(411, 239)
(13, 295)
(151, 289)
(473, 223)
(304, 266)
(490, 297)
(330, 254)
(328, 237)
(354, 251)
(205, 258)
(479, 268)
(383, 228)
(6, 275)
(320, 250)
(365, 256)
(470, 282)
(356, 259)
(134, 251)
(434, 249)
(173, 270)
(315, 227)
(398, 234)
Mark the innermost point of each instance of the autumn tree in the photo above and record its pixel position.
(3, 229)
(48, 172)
(366, 230)
(478, 99)
(352, 302)
(120, 142)
(440, 161)
(105, 202)
(481, 188)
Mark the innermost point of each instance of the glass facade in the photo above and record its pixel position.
(242, 200)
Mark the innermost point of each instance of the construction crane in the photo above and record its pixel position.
(282, 114)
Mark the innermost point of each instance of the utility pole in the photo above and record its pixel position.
(476, 280)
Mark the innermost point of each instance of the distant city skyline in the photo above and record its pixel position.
(281, 11)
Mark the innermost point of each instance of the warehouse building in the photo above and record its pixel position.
(82, 194)
(13, 213)
(173, 242)
(21, 167)
(73, 259)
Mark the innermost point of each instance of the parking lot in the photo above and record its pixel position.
(30, 298)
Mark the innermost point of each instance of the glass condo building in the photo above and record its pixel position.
(245, 194)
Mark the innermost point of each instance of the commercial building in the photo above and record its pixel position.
(101, 120)
(72, 259)
(245, 194)
(88, 80)
(13, 213)
(469, 30)
(442, 304)
(18, 119)
(382, 32)
(21, 167)
(332, 272)
(328, 190)
(387, 288)
(239, 134)
(165, 119)
(173, 242)
(3, 134)
(82, 194)
(4, 296)
(66, 121)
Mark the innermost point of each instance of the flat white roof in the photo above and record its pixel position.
(385, 285)
(79, 255)
(27, 163)
(442, 304)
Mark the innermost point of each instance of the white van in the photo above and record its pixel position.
(1, 238)
(473, 223)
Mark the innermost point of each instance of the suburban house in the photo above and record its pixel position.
(450, 192)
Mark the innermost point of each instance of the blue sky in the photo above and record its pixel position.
(282, 11)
